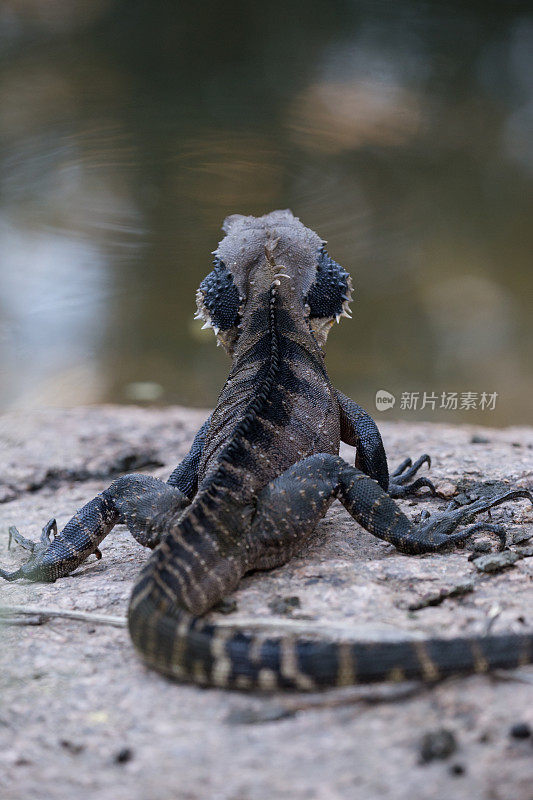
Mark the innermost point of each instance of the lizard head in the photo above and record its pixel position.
(257, 251)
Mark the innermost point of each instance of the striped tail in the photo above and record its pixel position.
(187, 648)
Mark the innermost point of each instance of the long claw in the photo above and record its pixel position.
(399, 490)
(484, 504)
(401, 467)
(398, 485)
(407, 469)
(49, 528)
(441, 527)
(462, 536)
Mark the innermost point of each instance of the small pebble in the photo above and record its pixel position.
(477, 439)
(446, 489)
(520, 730)
(525, 552)
(496, 562)
(481, 547)
(123, 756)
(284, 605)
(72, 747)
(457, 769)
(437, 744)
(521, 536)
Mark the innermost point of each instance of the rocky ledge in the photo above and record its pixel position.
(80, 715)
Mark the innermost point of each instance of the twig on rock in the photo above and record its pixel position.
(436, 598)
(8, 612)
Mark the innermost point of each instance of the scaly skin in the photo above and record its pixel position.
(260, 474)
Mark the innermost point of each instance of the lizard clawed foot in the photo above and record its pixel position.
(398, 484)
(28, 544)
(36, 549)
(56, 555)
(440, 527)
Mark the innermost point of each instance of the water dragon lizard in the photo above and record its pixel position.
(261, 472)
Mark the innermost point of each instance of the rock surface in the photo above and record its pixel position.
(80, 716)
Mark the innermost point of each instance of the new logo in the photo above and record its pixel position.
(384, 400)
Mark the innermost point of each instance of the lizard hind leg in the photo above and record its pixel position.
(54, 558)
(376, 512)
(143, 503)
(289, 508)
(146, 505)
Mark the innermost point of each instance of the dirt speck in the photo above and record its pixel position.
(437, 744)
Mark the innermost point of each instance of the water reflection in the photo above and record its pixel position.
(402, 133)
(55, 307)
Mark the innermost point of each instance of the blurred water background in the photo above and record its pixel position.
(401, 131)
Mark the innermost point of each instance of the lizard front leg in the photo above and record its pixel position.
(289, 508)
(359, 430)
(185, 476)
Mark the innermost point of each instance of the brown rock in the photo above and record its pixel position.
(446, 489)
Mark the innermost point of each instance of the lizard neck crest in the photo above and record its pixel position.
(274, 250)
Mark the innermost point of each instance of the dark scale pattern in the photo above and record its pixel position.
(261, 472)
(185, 476)
(330, 288)
(221, 297)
